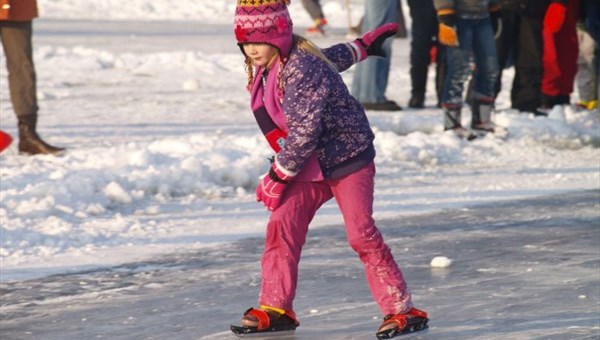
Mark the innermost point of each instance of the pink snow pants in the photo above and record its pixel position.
(288, 226)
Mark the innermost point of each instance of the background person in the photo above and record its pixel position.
(16, 18)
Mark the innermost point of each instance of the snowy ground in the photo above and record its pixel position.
(164, 156)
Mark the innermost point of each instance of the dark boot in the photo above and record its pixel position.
(417, 101)
(29, 141)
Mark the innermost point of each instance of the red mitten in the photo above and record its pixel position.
(5, 140)
(555, 17)
(272, 186)
(371, 42)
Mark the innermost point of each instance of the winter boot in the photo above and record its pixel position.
(482, 123)
(452, 122)
(547, 103)
(417, 101)
(29, 141)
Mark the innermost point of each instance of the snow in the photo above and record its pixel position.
(163, 153)
(440, 262)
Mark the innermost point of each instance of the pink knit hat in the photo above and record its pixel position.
(264, 21)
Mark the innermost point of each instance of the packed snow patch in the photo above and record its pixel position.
(441, 262)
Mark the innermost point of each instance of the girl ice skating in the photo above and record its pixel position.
(323, 146)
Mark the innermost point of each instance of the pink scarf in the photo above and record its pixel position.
(267, 96)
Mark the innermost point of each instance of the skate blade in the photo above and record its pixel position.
(409, 335)
(413, 335)
(266, 335)
(251, 332)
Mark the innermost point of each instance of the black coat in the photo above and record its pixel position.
(532, 8)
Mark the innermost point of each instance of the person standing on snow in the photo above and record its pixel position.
(467, 29)
(16, 18)
(314, 9)
(561, 50)
(424, 31)
(324, 149)
(371, 77)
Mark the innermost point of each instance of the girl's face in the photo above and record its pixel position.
(261, 54)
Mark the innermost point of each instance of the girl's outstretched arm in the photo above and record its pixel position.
(370, 44)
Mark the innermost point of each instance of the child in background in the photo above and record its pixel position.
(466, 28)
(324, 149)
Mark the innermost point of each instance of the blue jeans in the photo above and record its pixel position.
(371, 75)
(476, 38)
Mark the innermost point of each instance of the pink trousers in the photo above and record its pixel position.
(288, 226)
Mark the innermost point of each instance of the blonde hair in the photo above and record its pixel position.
(303, 45)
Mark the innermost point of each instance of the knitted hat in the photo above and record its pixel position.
(264, 21)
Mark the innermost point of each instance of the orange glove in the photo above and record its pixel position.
(555, 17)
(447, 29)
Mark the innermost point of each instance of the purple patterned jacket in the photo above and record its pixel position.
(322, 117)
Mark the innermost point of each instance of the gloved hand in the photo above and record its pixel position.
(496, 18)
(371, 42)
(272, 186)
(555, 17)
(447, 29)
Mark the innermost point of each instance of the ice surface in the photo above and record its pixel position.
(525, 269)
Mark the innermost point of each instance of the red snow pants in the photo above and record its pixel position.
(560, 55)
(288, 226)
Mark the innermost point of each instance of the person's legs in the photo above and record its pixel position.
(586, 80)
(486, 64)
(486, 59)
(441, 70)
(568, 51)
(505, 43)
(17, 45)
(458, 73)
(313, 7)
(16, 41)
(526, 87)
(458, 65)
(423, 30)
(354, 196)
(371, 75)
(286, 234)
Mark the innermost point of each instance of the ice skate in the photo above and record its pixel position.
(400, 325)
(318, 30)
(266, 321)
